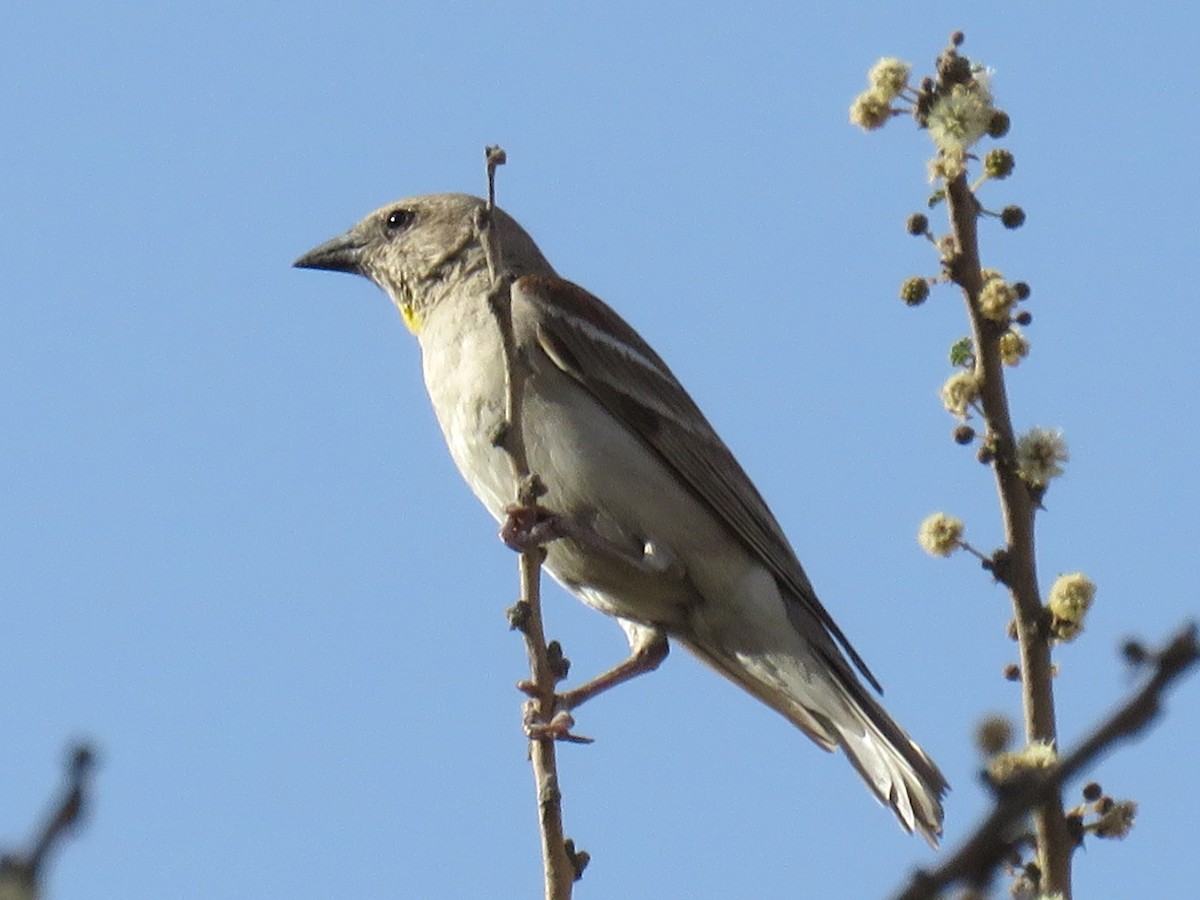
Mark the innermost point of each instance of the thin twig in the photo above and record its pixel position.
(560, 865)
(980, 854)
(1054, 842)
(25, 870)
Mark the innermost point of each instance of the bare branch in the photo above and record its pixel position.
(977, 858)
(561, 864)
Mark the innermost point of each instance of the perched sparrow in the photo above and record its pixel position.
(659, 525)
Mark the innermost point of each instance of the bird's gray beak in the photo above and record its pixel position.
(342, 254)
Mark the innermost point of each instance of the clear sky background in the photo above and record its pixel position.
(235, 554)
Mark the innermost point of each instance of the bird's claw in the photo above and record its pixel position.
(526, 527)
(557, 729)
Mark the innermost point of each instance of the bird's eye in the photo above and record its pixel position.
(398, 219)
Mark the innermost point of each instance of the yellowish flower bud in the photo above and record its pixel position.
(997, 299)
(1013, 346)
(914, 291)
(998, 163)
(1006, 766)
(959, 392)
(1070, 598)
(958, 119)
(870, 110)
(1040, 453)
(940, 534)
(1116, 821)
(889, 76)
(947, 166)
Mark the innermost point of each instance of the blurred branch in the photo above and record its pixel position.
(561, 864)
(982, 853)
(20, 873)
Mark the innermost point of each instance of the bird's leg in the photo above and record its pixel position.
(645, 656)
(532, 525)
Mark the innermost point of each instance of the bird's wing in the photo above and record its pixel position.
(596, 347)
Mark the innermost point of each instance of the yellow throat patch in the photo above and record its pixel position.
(411, 320)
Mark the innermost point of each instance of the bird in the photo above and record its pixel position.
(659, 525)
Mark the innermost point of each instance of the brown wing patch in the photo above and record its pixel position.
(590, 342)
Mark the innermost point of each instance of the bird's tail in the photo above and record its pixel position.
(896, 769)
(828, 703)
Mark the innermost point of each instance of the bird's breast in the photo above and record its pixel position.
(465, 377)
(598, 473)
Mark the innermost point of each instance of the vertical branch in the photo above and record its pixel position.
(560, 867)
(1019, 569)
(957, 109)
(559, 870)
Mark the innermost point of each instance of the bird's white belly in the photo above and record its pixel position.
(599, 475)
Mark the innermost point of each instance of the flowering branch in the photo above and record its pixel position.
(956, 107)
(1019, 573)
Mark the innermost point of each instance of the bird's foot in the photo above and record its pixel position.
(558, 728)
(526, 527)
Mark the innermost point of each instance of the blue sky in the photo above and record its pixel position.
(235, 554)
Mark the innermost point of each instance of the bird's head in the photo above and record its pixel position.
(417, 249)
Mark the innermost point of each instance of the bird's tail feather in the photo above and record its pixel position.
(837, 712)
(896, 769)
